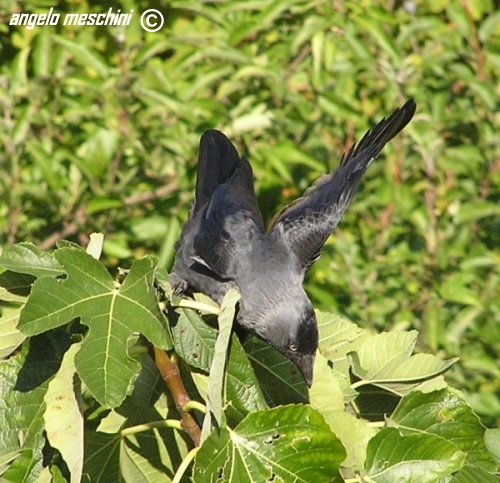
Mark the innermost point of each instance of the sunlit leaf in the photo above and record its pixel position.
(447, 415)
(385, 360)
(27, 258)
(10, 336)
(111, 313)
(63, 418)
(392, 457)
(289, 443)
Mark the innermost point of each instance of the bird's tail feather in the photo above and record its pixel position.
(217, 162)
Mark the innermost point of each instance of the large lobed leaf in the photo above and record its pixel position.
(429, 436)
(112, 314)
(470, 474)
(284, 444)
(414, 458)
(445, 414)
(133, 443)
(385, 360)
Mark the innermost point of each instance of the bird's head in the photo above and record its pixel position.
(302, 344)
(290, 326)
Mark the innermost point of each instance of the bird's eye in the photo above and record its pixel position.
(293, 347)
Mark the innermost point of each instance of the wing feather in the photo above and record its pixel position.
(306, 224)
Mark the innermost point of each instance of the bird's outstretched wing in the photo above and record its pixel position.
(217, 161)
(308, 222)
(230, 219)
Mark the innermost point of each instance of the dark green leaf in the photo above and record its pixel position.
(27, 258)
(194, 341)
(393, 458)
(23, 384)
(289, 443)
(470, 474)
(446, 414)
(111, 313)
(84, 55)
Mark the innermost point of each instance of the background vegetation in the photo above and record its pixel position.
(100, 126)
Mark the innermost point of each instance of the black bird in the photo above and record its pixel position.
(224, 244)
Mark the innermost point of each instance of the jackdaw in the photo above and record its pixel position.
(224, 244)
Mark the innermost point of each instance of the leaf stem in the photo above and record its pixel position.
(137, 350)
(359, 383)
(194, 405)
(376, 424)
(184, 465)
(193, 304)
(170, 374)
(166, 423)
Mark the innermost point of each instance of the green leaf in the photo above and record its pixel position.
(84, 55)
(473, 211)
(15, 287)
(7, 458)
(354, 434)
(394, 458)
(489, 26)
(102, 457)
(63, 416)
(195, 341)
(288, 443)
(112, 315)
(470, 474)
(10, 336)
(337, 337)
(325, 394)
(447, 415)
(492, 442)
(154, 227)
(278, 377)
(385, 360)
(42, 53)
(454, 289)
(95, 155)
(217, 368)
(260, 117)
(384, 41)
(27, 258)
(23, 384)
(97, 204)
(94, 248)
(134, 443)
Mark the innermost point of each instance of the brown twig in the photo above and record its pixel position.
(151, 195)
(170, 374)
(294, 65)
(69, 229)
(80, 215)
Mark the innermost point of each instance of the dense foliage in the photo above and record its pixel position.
(99, 133)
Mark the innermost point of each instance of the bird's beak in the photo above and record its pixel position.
(305, 363)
